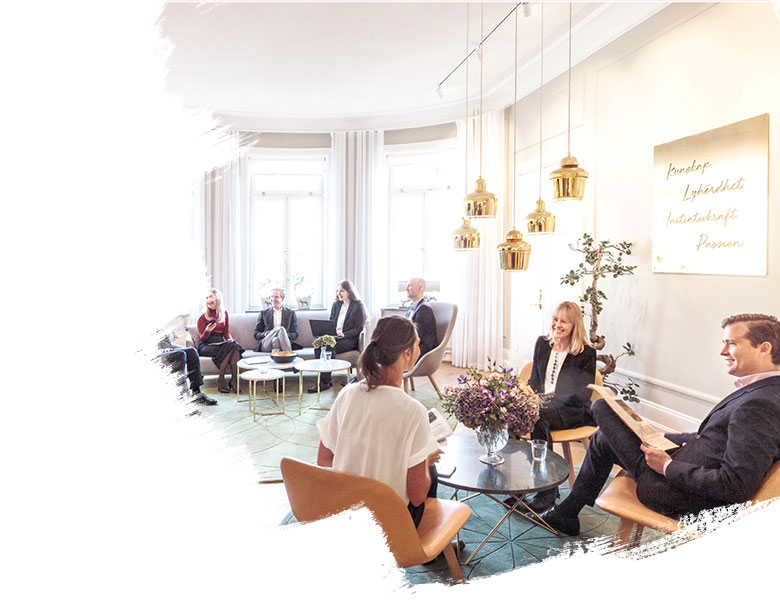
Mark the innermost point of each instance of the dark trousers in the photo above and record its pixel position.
(186, 362)
(552, 417)
(342, 345)
(615, 444)
(417, 511)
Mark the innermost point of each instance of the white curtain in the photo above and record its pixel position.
(479, 329)
(356, 205)
(218, 195)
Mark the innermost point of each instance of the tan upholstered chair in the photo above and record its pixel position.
(565, 437)
(316, 492)
(445, 315)
(620, 500)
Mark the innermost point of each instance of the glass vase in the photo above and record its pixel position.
(325, 354)
(492, 440)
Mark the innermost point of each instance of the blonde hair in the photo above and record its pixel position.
(572, 313)
(220, 316)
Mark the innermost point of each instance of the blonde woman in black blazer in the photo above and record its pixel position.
(348, 335)
(564, 364)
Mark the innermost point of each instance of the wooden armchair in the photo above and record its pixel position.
(565, 437)
(317, 492)
(445, 315)
(620, 500)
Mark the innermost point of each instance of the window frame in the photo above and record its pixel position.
(248, 216)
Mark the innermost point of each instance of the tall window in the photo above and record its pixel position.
(286, 196)
(424, 210)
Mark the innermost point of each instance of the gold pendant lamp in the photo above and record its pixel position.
(514, 253)
(466, 237)
(540, 220)
(569, 181)
(480, 203)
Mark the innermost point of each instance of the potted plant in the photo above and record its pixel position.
(600, 259)
(495, 403)
(328, 341)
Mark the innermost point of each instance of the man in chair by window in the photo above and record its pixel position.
(723, 463)
(277, 326)
(421, 314)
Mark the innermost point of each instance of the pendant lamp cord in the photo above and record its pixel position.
(514, 138)
(541, 84)
(568, 140)
(481, 68)
(466, 124)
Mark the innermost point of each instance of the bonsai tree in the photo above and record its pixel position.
(599, 260)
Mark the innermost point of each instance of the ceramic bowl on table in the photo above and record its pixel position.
(283, 356)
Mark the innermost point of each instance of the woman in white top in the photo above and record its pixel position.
(348, 313)
(564, 364)
(375, 430)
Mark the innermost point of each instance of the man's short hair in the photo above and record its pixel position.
(760, 328)
(418, 281)
(278, 290)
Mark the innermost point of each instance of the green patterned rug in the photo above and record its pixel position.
(267, 439)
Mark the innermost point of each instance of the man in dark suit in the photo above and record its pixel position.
(277, 325)
(421, 314)
(723, 463)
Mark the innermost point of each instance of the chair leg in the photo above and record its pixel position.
(411, 381)
(453, 563)
(406, 386)
(636, 536)
(570, 460)
(436, 387)
(624, 537)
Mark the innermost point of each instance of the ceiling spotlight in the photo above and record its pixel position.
(438, 91)
(526, 9)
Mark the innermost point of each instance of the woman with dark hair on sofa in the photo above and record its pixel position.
(349, 314)
(375, 430)
(216, 341)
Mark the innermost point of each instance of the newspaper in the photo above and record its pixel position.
(441, 431)
(649, 435)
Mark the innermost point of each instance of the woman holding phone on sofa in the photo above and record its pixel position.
(216, 341)
(348, 313)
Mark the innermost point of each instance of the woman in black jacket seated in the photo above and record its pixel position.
(349, 314)
(564, 364)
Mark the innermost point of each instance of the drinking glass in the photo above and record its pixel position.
(539, 449)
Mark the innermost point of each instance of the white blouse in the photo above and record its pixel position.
(554, 364)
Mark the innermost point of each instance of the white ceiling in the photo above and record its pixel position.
(317, 66)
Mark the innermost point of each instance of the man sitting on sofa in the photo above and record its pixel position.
(724, 462)
(277, 325)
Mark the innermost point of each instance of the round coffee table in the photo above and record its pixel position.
(257, 362)
(253, 377)
(318, 366)
(518, 475)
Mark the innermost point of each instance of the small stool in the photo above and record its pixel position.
(253, 377)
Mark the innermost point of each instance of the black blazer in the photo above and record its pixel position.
(577, 371)
(726, 460)
(265, 323)
(354, 320)
(425, 322)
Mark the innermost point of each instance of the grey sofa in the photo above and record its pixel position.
(242, 328)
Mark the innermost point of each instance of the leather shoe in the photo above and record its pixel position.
(323, 386)
(543, 500)
(564, 525)
(204, 399)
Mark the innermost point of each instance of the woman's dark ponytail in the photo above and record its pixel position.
(391, 336)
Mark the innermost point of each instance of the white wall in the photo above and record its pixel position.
(717, 68)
